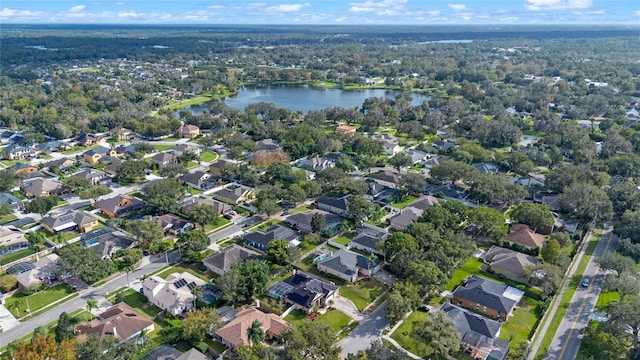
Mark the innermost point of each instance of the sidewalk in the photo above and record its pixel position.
(387, 337)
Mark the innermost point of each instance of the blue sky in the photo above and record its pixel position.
(355, 12)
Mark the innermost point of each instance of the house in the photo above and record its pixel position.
(107, 241)
(386, 178)
(121, 133)
(221, 208)
(18, 152)
(71, 220)
(478, 335)
(92, 175)
(120, 321)
(188, 131)
(173, 294)
(345, 129)
(99, 155)
(13, 202)
(38, 273)
(130, 149)
(523, 235)
(181, 149)
(447, 191)
(235, 333)
(487, 297)
(173, 224)
(259, 240)
(347, 265)
(332, 157)
(417, 156)
(389, 144)
(339, 206)
(316, 163)
(411, 212)
(112, 168)
(304, 291)
(235, 194)
(62, 164)
(511, 264)
(221, 262)
(369, 238)
(21, 168)
(487, 167)
(42, 187)
(12, 237)
(167, 352)
(267, 144)
(53, 146)
(433, 161)
(529, 181)
(443, 146)
(162, 159)
(302, 221)
(119, 206)
(87, 139)
(198, 180)
(217, 168)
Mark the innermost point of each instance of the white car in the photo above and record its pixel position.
(585, 282)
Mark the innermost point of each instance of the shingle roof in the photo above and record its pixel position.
(235, 332)
(340, 203)
(466, 321)
(120, 321)
(227, 257)
(486, 293)
(275, 232)
(388, 176)
(522, 234)
(348, 262)
(508, 260)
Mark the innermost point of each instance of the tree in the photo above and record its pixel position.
(547, 277)
(427, 276)
(318, 222)
(277, 252)
(64, 328)
(585, 201)
(255, 332)
(203, 214)
(146, 230)
(195, 240)
(601, 344)
(8, 282)
(130, 172)
(489, 222)
(359, 208)
(268, 206)
(551, 251)
(437, 331)
(532, 214)
(413, 183)
(627, 313)
(310, 340)
(94, 192)
(76, 184)
(400, 160)
(617, 262)
(164, 195)
(8, 180)
(200, 323)
(452, 171)
(345, 163)
(245, 280)
(187, 157)
(41, 205)
(257, 352)
(404, 298)
(44, 347)
(172, 171)
(91, 304)
(84, 263)
(131, 257)
(628, 225)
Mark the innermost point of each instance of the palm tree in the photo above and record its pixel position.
(128, 269)
(91, 304)
(255, 333)
(16, 306)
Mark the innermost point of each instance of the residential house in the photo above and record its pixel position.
(173, 294)
(380, 194)
(94, 176)
(347, 265)
(332, 157)
(389, 144)
(198, 180)
(302, 221)
(18, 152)
(369, 238)
(435, 160)
(120, 321)
(107, 241)
(267, 144)
(447, 191)
(304, 291)
(70, 220)
(443, 146)
(478, 335)
(345, 129)
(181, 149)
(22, 168)
(53, 146)
(511, 264)
(339, 206)
(551, 200)
(121, 133)
(87, 139)
(487, 167)
(62, 164)
(217, 168)
(523, 235)
(99, 155)
(12, 238)
(221, 262)
(412, 212)
(13, 202)
(529, 181)
(235, 194)
(259, 240)
(174, 225)
(221, 208)
(188, 131)
(112, 168)
(316, 163)
(163, 159)
(38, 273)
(417, 156)
(42, 187)
(130, 149)
(119, 206)
(389, 179)
(487, 297)
(235, 333)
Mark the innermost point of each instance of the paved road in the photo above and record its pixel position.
(567, 339)
(369, 330)
(235, 229)
(80, 302)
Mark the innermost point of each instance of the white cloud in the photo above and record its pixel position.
(341, 19)
(433, 13)
(593, 12)
(637, 12)
(545, 5)
(383, 7)
(77, 8)
(130, 14)
(288, 7)
(458, 7)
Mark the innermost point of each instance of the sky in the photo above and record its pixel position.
(326, 12)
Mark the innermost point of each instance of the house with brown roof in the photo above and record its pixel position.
(174, 225)
(511, 264)
(38, 273)
(345, 129)
(188, 131)
(389, 179)
(120, 321)
(87, 139)
(235, 333)
(235, 195)
(42, 187)
(163, 159)
(21, 168)
(121, 133)
(62, 164)
(523, 235)
(112, 168)
(217, 167)
(99, 155)
(71, 220)
(93, 175)
(119, 206)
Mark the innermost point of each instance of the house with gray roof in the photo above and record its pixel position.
(316, 163)
(338, 206)
(93, 175)
(389, 179)
(63, 164)
(487, 297)
(106, 241)
(348, 265)
(198, 180)
(18, 152)
(511, 264)
(235, 194)
(13, 202)
(302, 221)
(304, 291)
(163, 159)
(369, 238)
(221, 262)
(259, 240)
(220, 207)
(487, 167)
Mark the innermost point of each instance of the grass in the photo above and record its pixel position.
(363, 292)
(19, 255)
(180, 269)
(334, 318)
(60, 237)
(38, 300)
(10, 163)
(344, 238)
(208, 156)
(471, 266)
(605, 298)
(163, 147)
(402, 335)
(139, 302)
(306, 246)
(177, 104)
(6, 218)
(300, 209)
(521, 325)
(405, 201)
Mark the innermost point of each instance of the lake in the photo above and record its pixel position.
(304, 98)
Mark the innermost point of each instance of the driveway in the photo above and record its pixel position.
(7, 320)
(347, 306)
(369, 330)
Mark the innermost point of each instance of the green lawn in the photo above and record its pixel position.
(208, 156)
(471, 266)
(405, 201)
(38, 300)
(605, 298)
(363, 292)
(306, 246)
(521, 325)
(334, 318)
(19, 255)
(345, 238)
(6, 218)
(140, 303)
(163, 147)
(180, 269)
(403, 333)
(60, 237)
(177, 104)
(300, 209)
(220, 222)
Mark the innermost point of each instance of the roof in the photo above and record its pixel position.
(59, 162)
(406, 216)
(173, 220)
(523, 235)
(38, 186)
(220, 164)
(218, 205)
(466, 321)
(486, 167)
(88, 137)
(195, 177)
(162, 352)
(90, 174)
(98, 150)
(163, 157)
(388, 176)
(508, 260)
(306, 289)
(232, 194)
(340, 203)
(486, 293)
(106, 240)
(274, 232)
(120, 321)
(235, 332)
(114, 204)
(227, 257)
(424, 202)
(67, 219)
(304, 218)
(348, 262)
(174, 291)
(192, 354)
(188, 128)
(6, 198)
(366, 240)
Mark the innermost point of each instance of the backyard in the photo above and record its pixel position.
(18, 255)
(334, 318)
(140, 303)
(403, 333)
(22, 305)
(345, 238)
(180, 269)
(363, 292)
(521, 325)
(406, 200)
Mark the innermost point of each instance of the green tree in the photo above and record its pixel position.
(489, 222)
(8, 282)
(130, 172)
(601, 344)
(359, 208)
(172, 171)
(64, 328)
(551, 251)
(8, 180)
(427, 276)
(245, 280)
(617, 262)
(310, 340)
(200, 323)
(532, 214)
(400, 160)
(268, 206)
(91, 304)
(345, 163)
(628, 225)
(413, 183)
(318, 222)
(438, 333)
(94, 192)
(146, 230)
(255, 333)
(277, 252)
(585, 201)
(164, 195)
(452, 171)
(203, 214)
(404, 298)
(41, 205)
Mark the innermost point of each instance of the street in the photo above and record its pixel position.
(235, 229)
(567, 339)
(369, 330)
